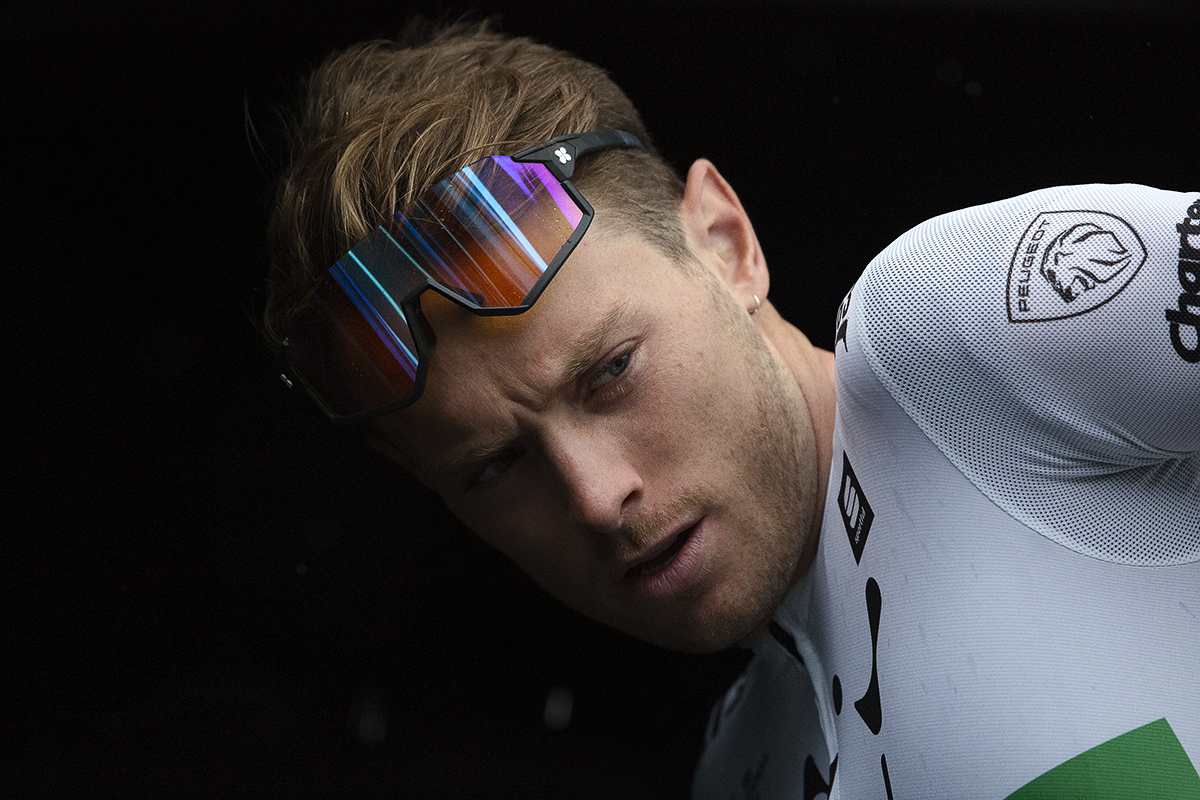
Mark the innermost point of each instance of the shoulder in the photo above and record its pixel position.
(1031, 340)
(1054, 288)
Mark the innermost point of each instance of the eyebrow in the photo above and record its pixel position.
(479, 453)
(580, 355)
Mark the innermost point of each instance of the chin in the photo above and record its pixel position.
(709, 633)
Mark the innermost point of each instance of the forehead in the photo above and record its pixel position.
(484, 369)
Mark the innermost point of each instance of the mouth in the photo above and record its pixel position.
(661, 559)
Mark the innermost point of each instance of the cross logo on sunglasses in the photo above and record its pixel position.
(562, 155)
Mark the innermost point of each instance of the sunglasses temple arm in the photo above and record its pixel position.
(560, 153)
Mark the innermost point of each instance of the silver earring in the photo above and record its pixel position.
(757, 303)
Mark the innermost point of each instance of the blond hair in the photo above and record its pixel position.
(383, 121)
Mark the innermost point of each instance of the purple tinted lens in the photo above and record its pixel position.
(486, 235)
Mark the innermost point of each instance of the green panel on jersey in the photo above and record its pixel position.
(1146, 762)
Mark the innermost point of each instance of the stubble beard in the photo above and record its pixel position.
(783, 483)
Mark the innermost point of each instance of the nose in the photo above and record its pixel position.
(600, 483)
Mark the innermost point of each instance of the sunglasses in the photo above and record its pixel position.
(490, 237)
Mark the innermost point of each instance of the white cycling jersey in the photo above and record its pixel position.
(1006, 597)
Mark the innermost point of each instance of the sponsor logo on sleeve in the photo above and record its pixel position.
(1184, 321)
(857, 515)
(1071, 262)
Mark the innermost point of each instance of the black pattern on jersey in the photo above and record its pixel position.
(857, 516)
(869, 707)
(843, 323)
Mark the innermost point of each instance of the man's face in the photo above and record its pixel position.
(631, 442)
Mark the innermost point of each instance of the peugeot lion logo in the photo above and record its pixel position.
(1082, 257)
(1070, 262)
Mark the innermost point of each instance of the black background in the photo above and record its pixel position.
(211, 593)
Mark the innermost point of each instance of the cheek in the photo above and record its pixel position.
(700, 398)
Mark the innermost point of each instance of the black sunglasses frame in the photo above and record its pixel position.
(559, 155)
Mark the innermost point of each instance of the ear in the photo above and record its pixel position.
(722, 236)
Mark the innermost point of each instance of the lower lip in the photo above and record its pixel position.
(677, 575)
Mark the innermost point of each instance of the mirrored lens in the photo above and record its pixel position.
(486, 235)
(352, 344)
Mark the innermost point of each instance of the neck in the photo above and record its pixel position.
(812, 368)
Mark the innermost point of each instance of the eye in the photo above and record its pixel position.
(613, 368)
(497, 466)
